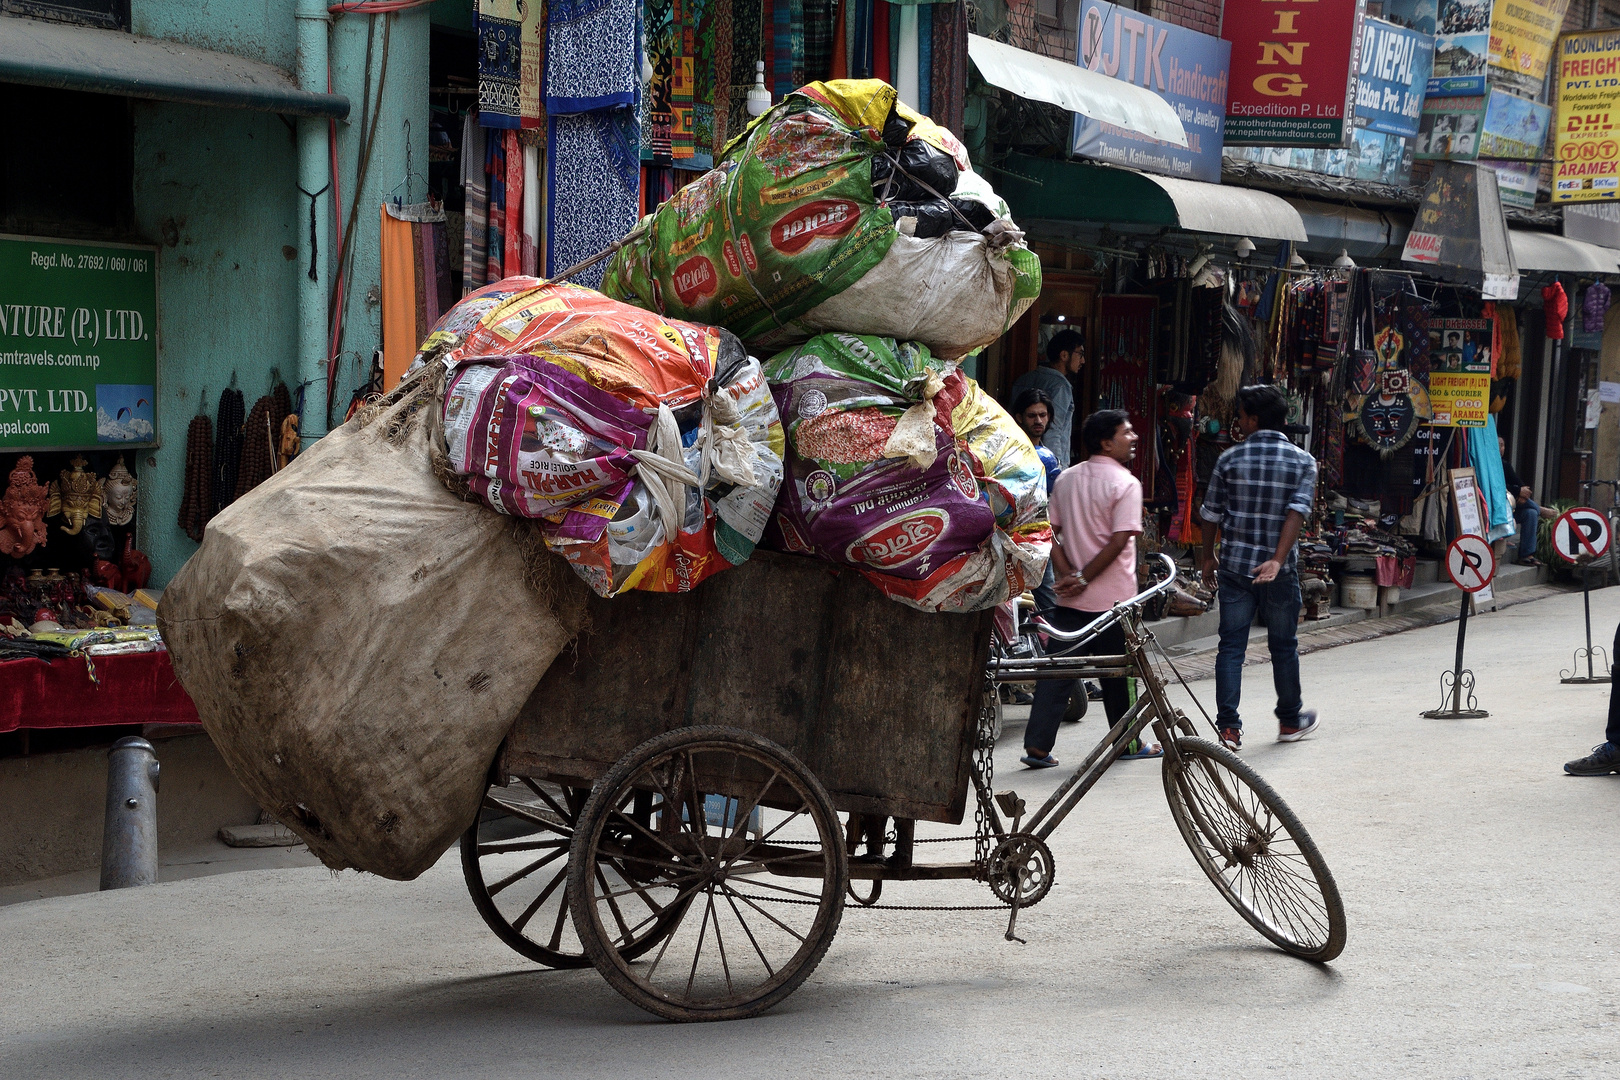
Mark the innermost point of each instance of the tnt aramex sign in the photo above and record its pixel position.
(1294, 64)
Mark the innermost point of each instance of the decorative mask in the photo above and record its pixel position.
(120, 494)
(22, 511)
(101, 538)
(1387, 422)
(76, 496)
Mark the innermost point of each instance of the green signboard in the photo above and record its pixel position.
(78, 345)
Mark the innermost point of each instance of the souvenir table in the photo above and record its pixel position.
(130, 688)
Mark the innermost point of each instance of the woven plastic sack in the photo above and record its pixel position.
(358, 640)
(900, 466)
(648, 450)
(786, 238)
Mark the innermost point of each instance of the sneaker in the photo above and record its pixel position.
(1232, 738)
(1302, 727)
(1603, 760)
(1093, 692)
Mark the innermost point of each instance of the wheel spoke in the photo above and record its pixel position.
(541, 793)
(697, 950)
(613, 904)
(528, 913)
(529, 814)
(509, 849)
(519, 875)
(557, 927)
(769, 970)
(719, 943)
(745, 898)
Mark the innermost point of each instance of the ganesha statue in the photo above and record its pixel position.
(22, 511)
(118, 490)
(76, 496)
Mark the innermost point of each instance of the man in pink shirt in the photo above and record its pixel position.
(1096, 513)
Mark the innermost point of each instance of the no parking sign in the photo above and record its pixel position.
(1470, 562)
(1581, 533)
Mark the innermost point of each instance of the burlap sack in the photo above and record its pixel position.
(358, 641)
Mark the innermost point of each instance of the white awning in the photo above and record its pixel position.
(1069, 86)
(1548, 251)
(1231, 211)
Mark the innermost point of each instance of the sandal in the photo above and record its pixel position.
(1047, 762)
(1139, 749)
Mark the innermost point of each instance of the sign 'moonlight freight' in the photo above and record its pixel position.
(1294, 65)
(1587, 166)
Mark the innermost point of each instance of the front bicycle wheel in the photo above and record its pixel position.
(1254, 849)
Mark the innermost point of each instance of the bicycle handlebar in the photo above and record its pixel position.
(1108, 618)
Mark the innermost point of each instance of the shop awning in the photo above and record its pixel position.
(1549, 251)
(66, 57)
(1069, 86)
(1052, 190)
(1459, 233)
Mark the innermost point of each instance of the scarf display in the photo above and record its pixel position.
(592, 55)
(500, 64)
(475, 216)
(495, 230)
(593, 181)
(415, 282)
(682, 90)
(950, 62)
(532, 67)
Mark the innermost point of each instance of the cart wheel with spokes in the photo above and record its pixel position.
(754, 876)
(514, 858)
(1254, 849)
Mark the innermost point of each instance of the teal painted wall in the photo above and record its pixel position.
(215, 190)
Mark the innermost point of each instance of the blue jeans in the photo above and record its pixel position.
(1529, 515)
(1278, 603)
(1046, 591)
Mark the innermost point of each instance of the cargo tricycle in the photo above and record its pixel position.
(687, 801)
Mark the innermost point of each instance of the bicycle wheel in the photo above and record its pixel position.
(1254, 849)
(720, 857)
(514, 859)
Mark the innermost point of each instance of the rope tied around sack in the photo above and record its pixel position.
(728, 452)
(913, 435)
(663, 469)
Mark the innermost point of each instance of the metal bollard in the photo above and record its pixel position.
(129, 838)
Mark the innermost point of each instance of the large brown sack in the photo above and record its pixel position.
(358, 641)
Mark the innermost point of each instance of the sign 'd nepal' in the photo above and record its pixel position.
(1293, 71)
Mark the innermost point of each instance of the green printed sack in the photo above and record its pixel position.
(786, 238)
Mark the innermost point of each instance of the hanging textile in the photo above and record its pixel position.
(495, 233)
(657, 111)
(657, 187)
(475, 223)
(414, 291)
(531, 210)
(593, 58)
(532, 66)
(682, 92)
(1486, 458)
(907, 79)
(745, 50)
(593, 180)
(858, 38)
(796, 42)
(500, 63)
(838, 67)
(782, 46)
(512, 249)
(925, 56)
(1505, 348)
(716, 40)
(1594, 308)
(1124, 373)
(949, 78)
(882, 67)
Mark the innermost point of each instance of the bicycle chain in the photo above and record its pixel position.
(881, 907)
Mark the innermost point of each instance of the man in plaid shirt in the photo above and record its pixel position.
(1259, 495)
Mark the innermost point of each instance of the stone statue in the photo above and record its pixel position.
(22, 511)
(76, 496)
(119, 487)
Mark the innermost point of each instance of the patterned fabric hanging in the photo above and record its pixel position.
(657, 111)
(500, 64)
(593, 176)
(532, 69)
(495, 173)
(950, 62)
(682, 90)
(593, 58)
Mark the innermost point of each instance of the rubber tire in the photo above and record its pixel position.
(1079, 703)
(607, 960)
(1193, 747)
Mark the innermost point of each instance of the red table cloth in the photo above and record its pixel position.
(134, 688)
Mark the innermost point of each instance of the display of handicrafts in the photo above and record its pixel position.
(22, 511)
(76, 496)
(119, 490)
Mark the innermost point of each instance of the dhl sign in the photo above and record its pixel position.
(1294, 65)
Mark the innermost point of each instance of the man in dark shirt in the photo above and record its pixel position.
(1259, 495)
(1525, 509)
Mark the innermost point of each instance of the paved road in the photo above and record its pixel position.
(1480, 884)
